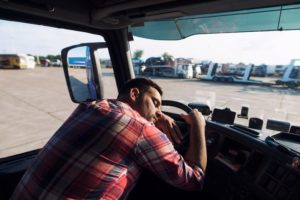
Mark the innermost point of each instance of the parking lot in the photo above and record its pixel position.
(34, 103)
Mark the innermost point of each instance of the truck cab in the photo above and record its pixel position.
(252, 130)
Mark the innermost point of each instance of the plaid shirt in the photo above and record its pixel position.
(99, 153)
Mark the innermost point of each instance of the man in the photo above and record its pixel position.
(101, 150)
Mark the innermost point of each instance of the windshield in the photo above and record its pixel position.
(257, 71)
(232, 70)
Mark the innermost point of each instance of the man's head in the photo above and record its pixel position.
(144, 96)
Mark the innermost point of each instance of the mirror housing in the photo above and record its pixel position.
(82, 71)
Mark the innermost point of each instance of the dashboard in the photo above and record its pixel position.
(243, 166)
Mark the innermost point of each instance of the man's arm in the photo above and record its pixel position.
(155, 152)
(196, 152)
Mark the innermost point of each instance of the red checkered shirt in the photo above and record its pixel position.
(100, 152)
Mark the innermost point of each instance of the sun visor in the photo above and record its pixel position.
(265, 19)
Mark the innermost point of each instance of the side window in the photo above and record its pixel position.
(108, 77)
(34, 99)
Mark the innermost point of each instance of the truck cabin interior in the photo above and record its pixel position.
(242, 164)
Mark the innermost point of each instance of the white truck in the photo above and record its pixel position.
(263, 70)
(184, 71)
(291, 76)
(178, 71)
(213, 75)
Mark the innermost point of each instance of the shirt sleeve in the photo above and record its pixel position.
(155, 152)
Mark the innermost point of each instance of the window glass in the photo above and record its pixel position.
(257, 70)
(34, 99)
(109, 83)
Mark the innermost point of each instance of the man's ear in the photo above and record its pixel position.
(134, 94)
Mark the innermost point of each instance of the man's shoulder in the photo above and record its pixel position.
(116, 106)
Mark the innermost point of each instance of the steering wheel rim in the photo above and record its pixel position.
(177, 104)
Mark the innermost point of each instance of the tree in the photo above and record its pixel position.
(138, 54)
(167, 57)
(57, 57)
(50, 57)
(53, 57)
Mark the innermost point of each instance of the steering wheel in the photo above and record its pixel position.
(181, 148)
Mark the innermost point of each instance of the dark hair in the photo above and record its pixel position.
(143, 84)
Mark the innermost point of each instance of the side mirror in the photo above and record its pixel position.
(83, 71)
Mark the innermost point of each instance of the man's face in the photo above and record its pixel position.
(149, 104)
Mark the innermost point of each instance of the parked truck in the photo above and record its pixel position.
(216, 74)
(16, 61)
(178, 71)
(291, 76)
(263, 70)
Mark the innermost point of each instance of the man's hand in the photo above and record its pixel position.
(194, 117)
(168, 126)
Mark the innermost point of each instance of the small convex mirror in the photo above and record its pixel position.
(81, 77)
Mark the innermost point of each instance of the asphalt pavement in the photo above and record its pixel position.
(35, 102)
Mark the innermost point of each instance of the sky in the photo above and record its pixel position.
(39, 40)
(268, 47)
(257, 48)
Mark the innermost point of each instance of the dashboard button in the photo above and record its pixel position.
(282, 193)
(271, 186)
(296, 197)
(272, 168)
(279, 173)
(263, 181)
(290, 180)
